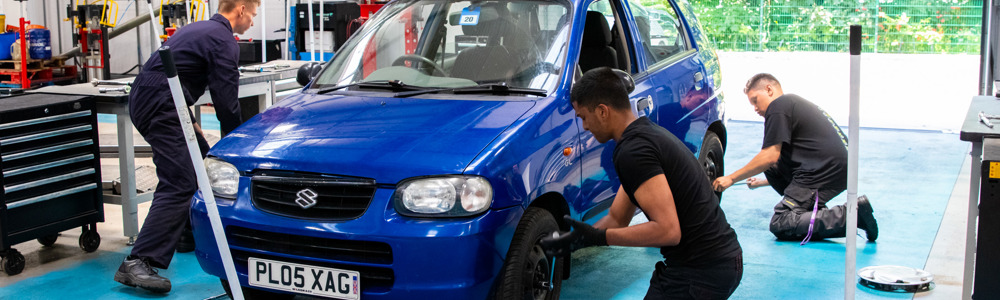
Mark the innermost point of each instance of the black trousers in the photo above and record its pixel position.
(792, 215)
(156, 119)
(712, 282)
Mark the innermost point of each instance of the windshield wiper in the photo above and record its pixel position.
(492, 88)
(393, 85)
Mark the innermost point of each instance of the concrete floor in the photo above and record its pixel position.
(917, 180)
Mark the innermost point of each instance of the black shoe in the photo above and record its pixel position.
(866, 218)
(186, 243)
(137, 273)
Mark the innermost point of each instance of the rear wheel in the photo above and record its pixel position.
(712, 158)
(528, 273)
(251, 293)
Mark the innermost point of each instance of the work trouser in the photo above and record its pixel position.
(154, 115)
(712, 282)
(794, 213)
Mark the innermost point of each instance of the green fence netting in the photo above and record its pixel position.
(889, 26)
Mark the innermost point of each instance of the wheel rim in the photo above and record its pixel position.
(710, 167)
(536, 271)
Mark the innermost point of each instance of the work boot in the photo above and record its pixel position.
(186, 243)
(136, 272)
(866, 218)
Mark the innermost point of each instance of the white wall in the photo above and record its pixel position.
(123, 49)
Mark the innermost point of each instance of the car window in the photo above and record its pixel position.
(659, 30)
(599, 50)
(447, 43)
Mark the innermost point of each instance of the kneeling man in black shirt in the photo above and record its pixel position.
(804, 158)
(660, 176)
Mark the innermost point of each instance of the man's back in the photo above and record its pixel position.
(647, 150)
(813, 148)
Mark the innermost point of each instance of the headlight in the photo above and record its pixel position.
(223, 176)
(446, 196)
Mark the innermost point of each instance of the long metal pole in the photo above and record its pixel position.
(152, 26)
(852, 163)
(288, 12)
(985, 47)
(188, 11)
(199, 167)
(138, 45)
(263, 32)
(322, 32)
(312, 34)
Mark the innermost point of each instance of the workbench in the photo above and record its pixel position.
(251, 84)
(976, 131)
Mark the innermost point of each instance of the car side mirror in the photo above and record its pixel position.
(626, 79)
(308, 72)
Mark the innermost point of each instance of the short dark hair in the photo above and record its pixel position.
(757, 81)
(226, 6)
(600, 86)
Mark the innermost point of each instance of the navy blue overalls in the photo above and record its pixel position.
(206, 55)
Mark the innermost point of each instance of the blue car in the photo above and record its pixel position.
(436, 148)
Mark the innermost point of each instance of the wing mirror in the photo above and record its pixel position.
(626, 79)
(308, 72)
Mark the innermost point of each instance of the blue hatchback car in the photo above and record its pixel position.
(439, 145)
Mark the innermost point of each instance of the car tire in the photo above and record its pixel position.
(712, 158)
(254, 294)
(527, 271)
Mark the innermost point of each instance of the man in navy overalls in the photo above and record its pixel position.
(206, 56)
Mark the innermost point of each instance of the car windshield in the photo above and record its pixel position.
(454, 44)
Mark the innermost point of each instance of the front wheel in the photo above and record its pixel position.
(712, 158)
(528, 273)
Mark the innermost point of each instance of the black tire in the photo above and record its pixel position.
(90, 240)
(712, 158)
(13, 262)
(48, 240)
(252, 293)
(527, 270)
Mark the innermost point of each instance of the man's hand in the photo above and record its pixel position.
(583, 235)
(754, 182)
(722, 183)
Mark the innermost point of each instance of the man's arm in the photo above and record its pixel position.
(223, 85)
(762, 161)
(620, 214)
(663, 228)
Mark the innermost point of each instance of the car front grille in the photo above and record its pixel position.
(333, 198)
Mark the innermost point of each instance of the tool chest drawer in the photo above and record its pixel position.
(49, 168)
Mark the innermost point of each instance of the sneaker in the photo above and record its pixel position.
(136, 272)
(866, 218)
(186, 243)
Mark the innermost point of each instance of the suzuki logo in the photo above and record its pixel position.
(306, 199)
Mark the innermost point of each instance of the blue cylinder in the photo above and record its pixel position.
(39, 44)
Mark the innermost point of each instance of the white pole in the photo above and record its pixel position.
(199, 168)
(152, 26)
(187, 9)
(322, 31)
(312, 37)
(852, 164)
(263, 32)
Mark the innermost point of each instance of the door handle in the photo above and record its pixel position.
(642, 106)
(698, 78)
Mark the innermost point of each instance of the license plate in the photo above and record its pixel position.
(304, 279)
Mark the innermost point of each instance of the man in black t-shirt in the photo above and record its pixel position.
(804, 158)
(658, 173)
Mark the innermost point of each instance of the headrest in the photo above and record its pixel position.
(488, 14)
(596, 31)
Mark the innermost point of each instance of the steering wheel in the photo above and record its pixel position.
(419, 59)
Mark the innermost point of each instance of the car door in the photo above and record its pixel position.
(600, 181)
(672, 67)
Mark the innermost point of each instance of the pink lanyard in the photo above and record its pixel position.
(812, 221)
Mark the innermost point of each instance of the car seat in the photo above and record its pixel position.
(596, 50)
(492, 62)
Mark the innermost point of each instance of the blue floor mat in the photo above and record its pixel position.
(908, 175)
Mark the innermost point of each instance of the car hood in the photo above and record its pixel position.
(387, 139)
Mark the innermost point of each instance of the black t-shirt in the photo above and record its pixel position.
(647, 150)
(813, 148)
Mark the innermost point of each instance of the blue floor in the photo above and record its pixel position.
(908, 175)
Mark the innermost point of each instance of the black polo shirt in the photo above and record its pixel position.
(647, 150)
(813, 148)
